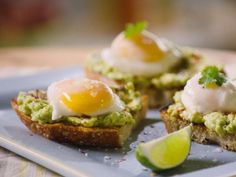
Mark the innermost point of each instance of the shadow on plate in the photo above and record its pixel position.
(188, 166)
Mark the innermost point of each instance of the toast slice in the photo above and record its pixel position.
(200, 133)
(79, 135)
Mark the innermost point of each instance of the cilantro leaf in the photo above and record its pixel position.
(133, 29)
(212, 77)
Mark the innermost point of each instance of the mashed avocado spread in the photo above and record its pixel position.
(219, 122)
(175, 78)
(39, 110)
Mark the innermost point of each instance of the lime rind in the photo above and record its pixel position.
(143, 160)
(166, 152)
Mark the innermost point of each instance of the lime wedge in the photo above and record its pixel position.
(166, 152)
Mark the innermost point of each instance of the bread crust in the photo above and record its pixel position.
(200, 133)
(79, 135)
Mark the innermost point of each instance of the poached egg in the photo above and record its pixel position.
(196, 98)
(76, 97)
(142, 54)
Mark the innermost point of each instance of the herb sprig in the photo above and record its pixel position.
(133, 29)
(212, 77)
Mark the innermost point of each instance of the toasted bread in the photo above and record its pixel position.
(201, 133)
(79, 135)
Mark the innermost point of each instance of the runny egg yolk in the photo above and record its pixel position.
(139, 47)
(88, 99)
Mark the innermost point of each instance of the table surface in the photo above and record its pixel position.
(25, 61)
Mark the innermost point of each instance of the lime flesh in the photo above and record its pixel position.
(166, 152)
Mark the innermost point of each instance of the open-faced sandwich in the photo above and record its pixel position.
(208, 102)
(82, 112)
(157, 67)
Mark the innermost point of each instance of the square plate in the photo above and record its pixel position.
(67, 160)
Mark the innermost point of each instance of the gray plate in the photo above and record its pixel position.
(67, 160)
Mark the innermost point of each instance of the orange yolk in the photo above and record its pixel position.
(88, 99)
(152, 51)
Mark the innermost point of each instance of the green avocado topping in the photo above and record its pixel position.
(38, 109)
(133, 29)
(175, 78)
(41, 111)
(221, 123)
(212, 77)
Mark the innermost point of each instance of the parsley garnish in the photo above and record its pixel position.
(211, 77)
(133, 29)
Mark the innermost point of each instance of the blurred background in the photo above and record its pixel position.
(202, 23)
